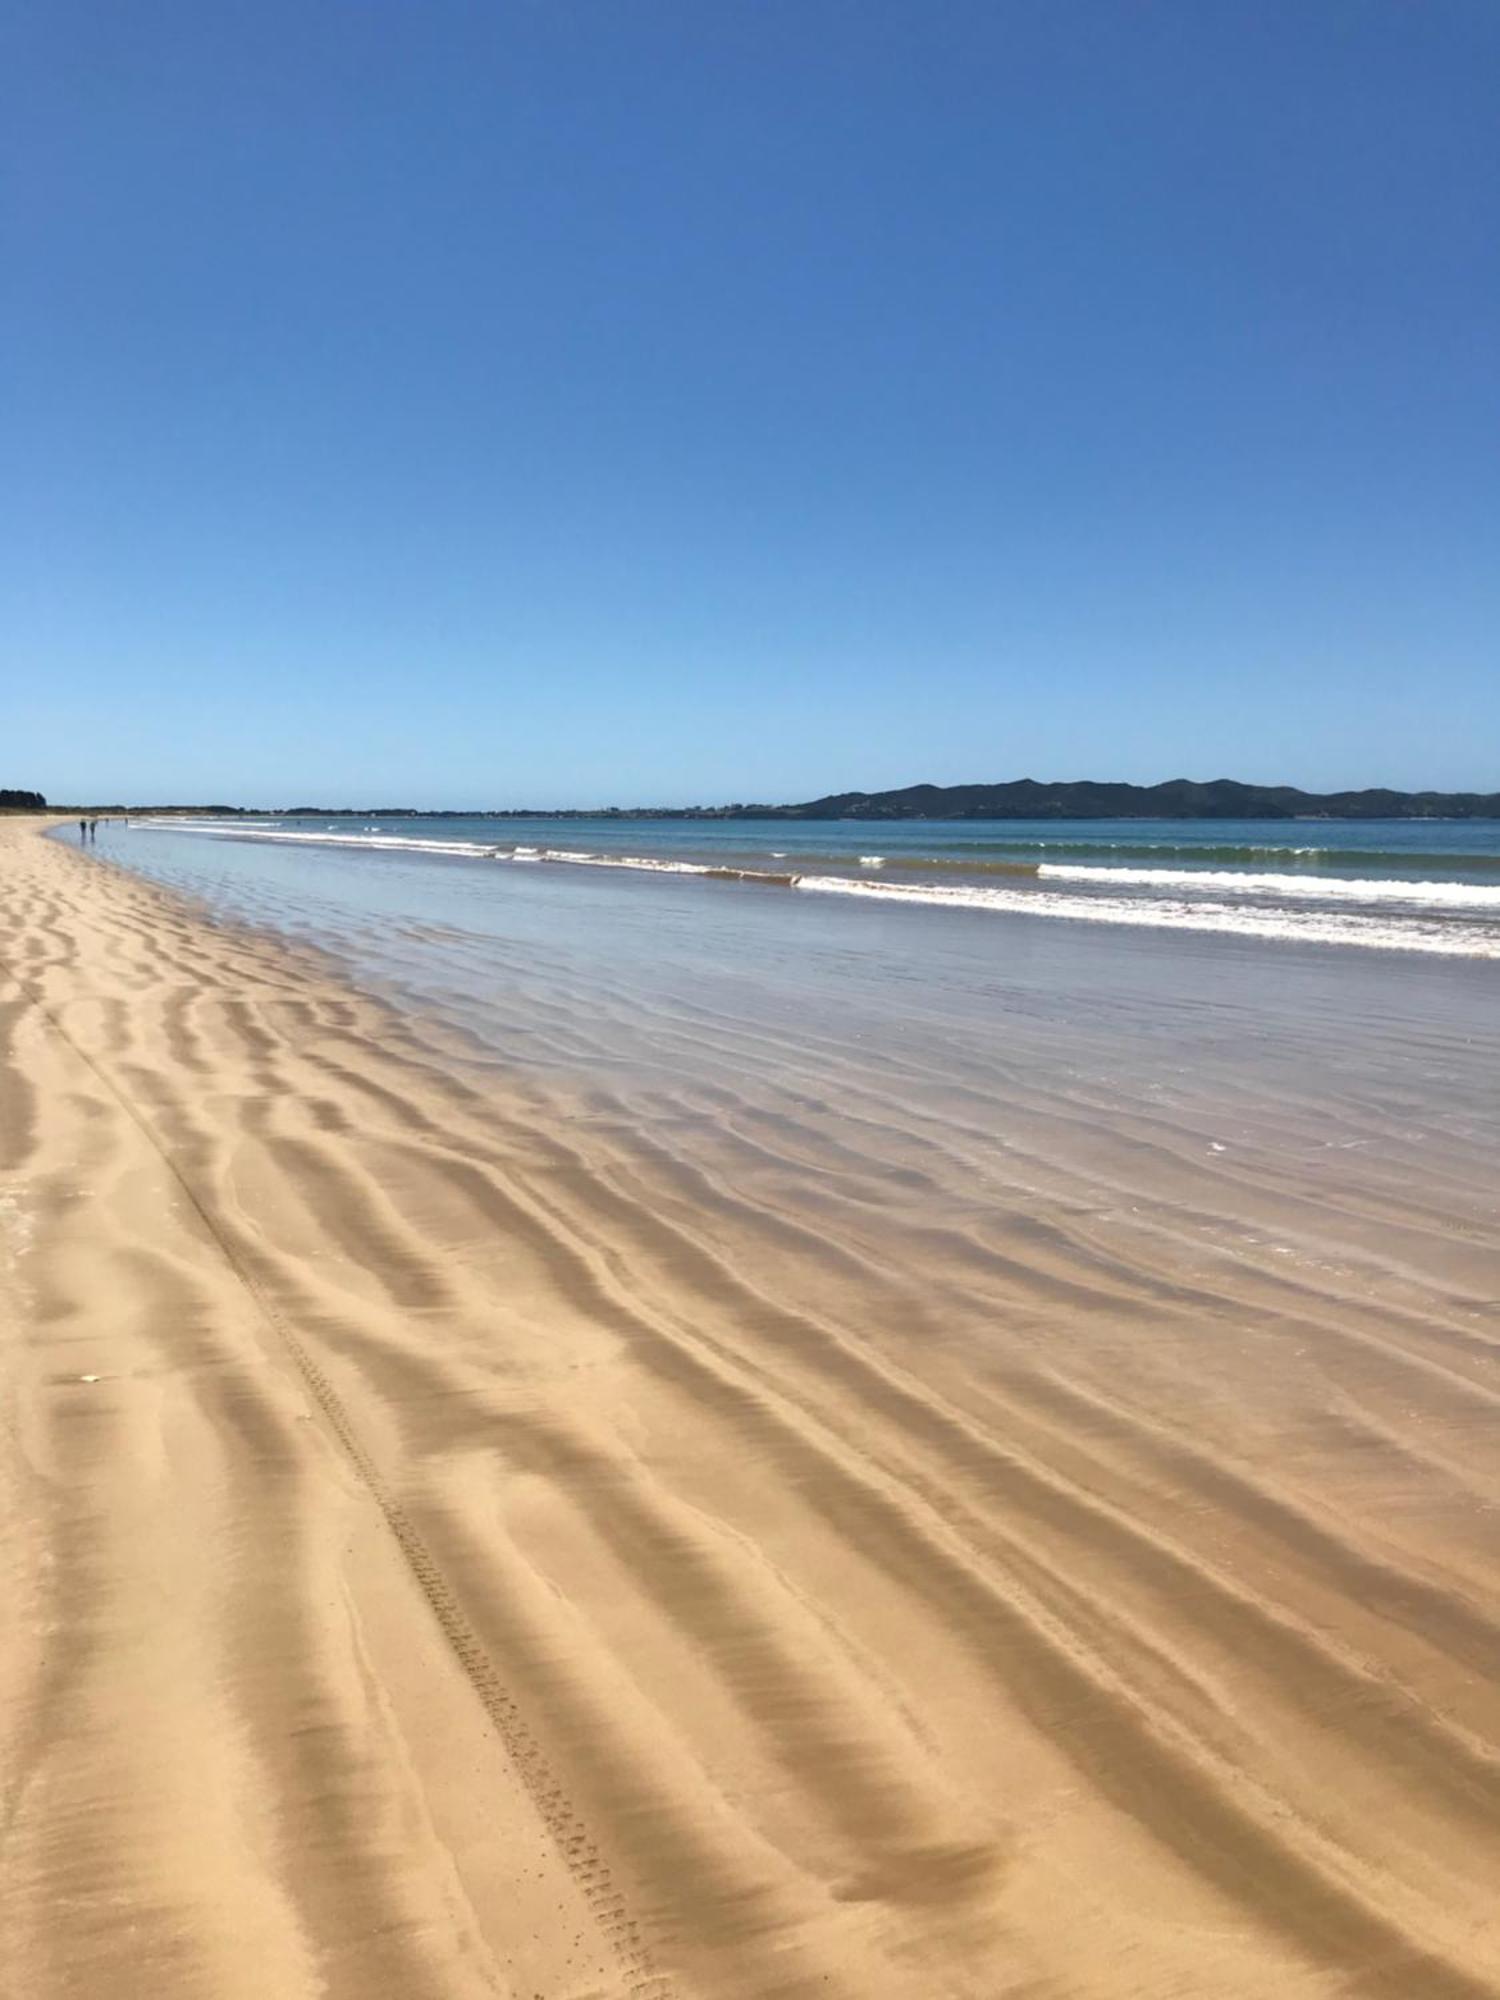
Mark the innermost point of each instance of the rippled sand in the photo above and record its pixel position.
(834, 1525)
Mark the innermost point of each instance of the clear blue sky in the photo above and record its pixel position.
(565, 401)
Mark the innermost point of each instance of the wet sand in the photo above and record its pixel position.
(845, 1528)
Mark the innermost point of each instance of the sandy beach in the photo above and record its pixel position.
(469, 1535)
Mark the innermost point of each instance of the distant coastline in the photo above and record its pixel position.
(1021, 799)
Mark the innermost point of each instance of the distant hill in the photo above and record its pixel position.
(22, 802)
(1177, 798)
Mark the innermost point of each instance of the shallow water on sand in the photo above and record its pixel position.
(1289, 1107)
(1399, 885)
(582, 969)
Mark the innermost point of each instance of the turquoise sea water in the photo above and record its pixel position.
(1318, 846)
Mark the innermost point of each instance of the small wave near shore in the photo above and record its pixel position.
(1302, 903)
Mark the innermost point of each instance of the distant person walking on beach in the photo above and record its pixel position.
(83, 831)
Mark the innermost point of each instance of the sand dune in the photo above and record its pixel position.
(811, 1530)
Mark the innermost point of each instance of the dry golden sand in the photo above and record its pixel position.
(449, 1555)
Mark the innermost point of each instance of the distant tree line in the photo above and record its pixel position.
(22, 801)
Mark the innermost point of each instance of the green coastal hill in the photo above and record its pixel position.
(1177, 798)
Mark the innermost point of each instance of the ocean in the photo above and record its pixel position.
(1409, 885)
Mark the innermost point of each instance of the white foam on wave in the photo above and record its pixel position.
(642, 863)
(1290, 926)
(483, 850)
(872, 861)
(315, 837)
(1311, 888)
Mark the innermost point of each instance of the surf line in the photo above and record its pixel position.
(1055, 890)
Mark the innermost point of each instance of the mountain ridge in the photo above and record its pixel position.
(1175, 798)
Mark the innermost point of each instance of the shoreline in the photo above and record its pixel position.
(476, 1537)
(1340, 899)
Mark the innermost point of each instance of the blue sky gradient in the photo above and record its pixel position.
(633, 401)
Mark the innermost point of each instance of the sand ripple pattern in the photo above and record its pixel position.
(774, 1524)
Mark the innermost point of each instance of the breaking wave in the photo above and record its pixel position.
(1324, 888)
(1296, 925)
(1397, 915)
